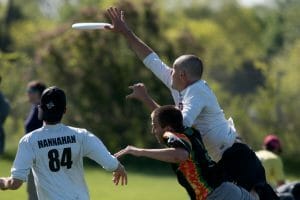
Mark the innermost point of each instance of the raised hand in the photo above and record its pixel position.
(117, 20)
(120, 174)
(139, 92)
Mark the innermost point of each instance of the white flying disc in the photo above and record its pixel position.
(90, 26)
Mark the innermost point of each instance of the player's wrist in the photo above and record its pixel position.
(138, 152)
(126, 32)
(120, 168)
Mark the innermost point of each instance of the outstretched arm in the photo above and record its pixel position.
(96, 150)
(170, 155)
(10, 183)
(142, 50)
(119, 25)
(140, 93)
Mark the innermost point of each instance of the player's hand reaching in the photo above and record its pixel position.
(139, 92)
(128, 150)
(117, 20)
(120, 174)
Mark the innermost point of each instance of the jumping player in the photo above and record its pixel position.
(55, 154)
(195, 170)
(200, 109)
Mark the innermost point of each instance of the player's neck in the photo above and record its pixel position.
(51, 123)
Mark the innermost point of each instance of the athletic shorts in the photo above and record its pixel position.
(240, 165)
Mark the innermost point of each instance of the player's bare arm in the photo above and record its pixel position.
(120, 174)
(139, 92)
(169, 155)
(120, 26)
(10, 183)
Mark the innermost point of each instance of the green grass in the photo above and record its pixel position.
(152, 183)
(144, 186)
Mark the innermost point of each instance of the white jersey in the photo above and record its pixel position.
(200, 109)
(55, 155)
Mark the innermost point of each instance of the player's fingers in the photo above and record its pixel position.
(118, 13)
(108, 27)
(124, 180)
(114, 13)
(115, 177)
(110, 15)
(130, 96)
(120, 153)
(118, 179)
(122, 15)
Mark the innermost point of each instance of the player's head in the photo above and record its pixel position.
(186, 70)
(166, 118)
(272, 143)
(53, 105)
(35, 90)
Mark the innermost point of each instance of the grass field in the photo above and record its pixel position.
(140, 186)
(148, 183)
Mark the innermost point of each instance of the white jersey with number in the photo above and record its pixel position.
(55, 155)
(200, 109)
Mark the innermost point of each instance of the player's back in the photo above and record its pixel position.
(217, 133)
(57, 153)
(58, 165)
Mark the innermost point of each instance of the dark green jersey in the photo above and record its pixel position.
(197, 174)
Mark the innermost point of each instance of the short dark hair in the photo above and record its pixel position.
(53, 105)
(169, 115)
(36, 86)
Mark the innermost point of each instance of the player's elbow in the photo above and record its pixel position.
(112, 164)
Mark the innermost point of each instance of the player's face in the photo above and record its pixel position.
(33, 96)
(177, 78)
(157, 131)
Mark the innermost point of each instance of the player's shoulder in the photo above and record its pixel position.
(30, 136)
(77, 130)
(200, 87)
(172, 136)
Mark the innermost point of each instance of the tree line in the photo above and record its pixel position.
(250, 60)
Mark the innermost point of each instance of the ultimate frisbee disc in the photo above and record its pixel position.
(90, 26)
